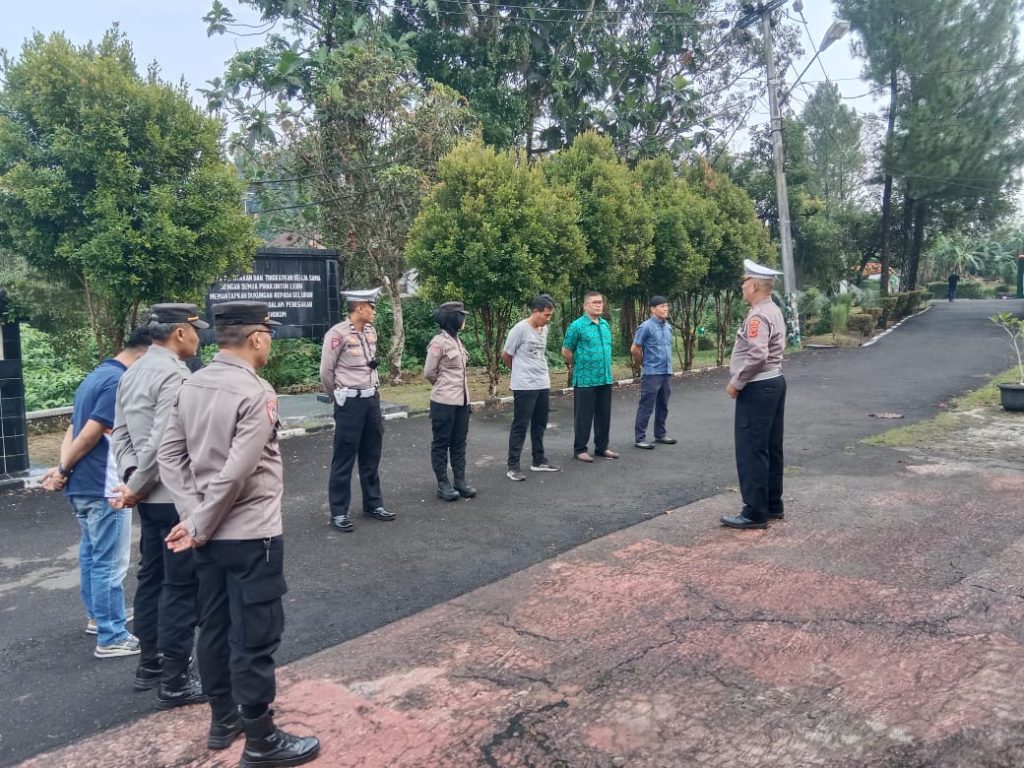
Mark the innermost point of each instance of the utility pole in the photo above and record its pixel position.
(764, 12)
(781, 191)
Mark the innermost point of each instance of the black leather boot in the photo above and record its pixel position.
(464, 490)
(445, 492)
(179, 687)
(225, 722)
(149, 671)
(267, 745)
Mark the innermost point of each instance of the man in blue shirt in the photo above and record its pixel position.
(103, 552)
(652, 346)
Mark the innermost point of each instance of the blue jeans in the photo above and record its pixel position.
(103, 556)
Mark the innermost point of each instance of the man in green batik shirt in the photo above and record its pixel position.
(588, 350)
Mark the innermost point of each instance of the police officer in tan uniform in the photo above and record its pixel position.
(759, 389)
(445, 368)
(220, 460)
(348, 374)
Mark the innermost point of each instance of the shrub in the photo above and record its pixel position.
(875, 312)
(705, 343)
(293, 363)
(888, 305)
(840, 313)
(938, 290)
(863, 324)
(50, 379)
(970, 290)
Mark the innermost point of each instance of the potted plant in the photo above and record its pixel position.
(1012, 395)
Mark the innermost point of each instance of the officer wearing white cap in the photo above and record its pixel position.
(221, 461)
(166, 611)
(348, 374)
(759, 389)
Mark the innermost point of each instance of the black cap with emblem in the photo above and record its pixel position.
(242, 313)
(174, 314)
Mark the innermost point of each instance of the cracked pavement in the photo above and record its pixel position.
(879, 624)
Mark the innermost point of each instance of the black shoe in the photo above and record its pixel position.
(739, 521)
(342, 523)
(645, 445)
(666, 440)
(179, 690)
(776, 514)
(225, 723)
(379, 513)
(445, 492)
(267, 745)
(464, 490)
(148, 674)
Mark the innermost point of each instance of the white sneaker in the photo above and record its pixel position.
(546, 466)
(91, 628)
(515, 475)
(127, 647)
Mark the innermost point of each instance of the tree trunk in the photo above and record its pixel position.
(723, 318)
(909, 204)
(397, 347)
(915, 246)
(883, 277)
(491, 354)
(628, 323)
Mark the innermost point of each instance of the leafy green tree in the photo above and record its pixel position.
(372, 152)
(616, 219)
(114, 183)
(956, 96)
(833, 145)
(540, 74)
(494, 235)
(743, 236)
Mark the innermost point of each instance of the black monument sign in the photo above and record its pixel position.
(13, 439)
(299, 284)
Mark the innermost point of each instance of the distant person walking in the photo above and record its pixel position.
(446, 369)
(954, 281)
(759, 388)
(587, 348)
(526, 354)
(652, 347)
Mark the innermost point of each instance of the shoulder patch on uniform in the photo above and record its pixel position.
(272, 411)
(335, 342)
(434, 348)
(753, 327)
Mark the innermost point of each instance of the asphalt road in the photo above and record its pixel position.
(344, 585)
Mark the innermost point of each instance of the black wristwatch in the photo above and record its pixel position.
(64, 472)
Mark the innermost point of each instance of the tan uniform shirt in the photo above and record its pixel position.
(760, 342)
(345, 357)
(145, 399)
(445, 368)
(219, 456)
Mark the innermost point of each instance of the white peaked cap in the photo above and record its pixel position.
(753, 269)
(355, 297)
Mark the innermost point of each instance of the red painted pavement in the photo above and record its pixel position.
(880, 624)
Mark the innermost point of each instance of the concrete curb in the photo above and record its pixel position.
(887, 331)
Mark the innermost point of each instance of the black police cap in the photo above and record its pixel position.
(242, 313)
(174, 314)
(452, 307)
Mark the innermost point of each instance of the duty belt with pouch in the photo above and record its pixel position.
(341, 394)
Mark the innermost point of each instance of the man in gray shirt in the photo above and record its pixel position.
(525, 353)
(166, 612)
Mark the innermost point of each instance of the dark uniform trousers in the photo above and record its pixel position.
(240, 588)
(592, 405)
(358, 432)
(531, 409)
(655, 390)
(166, 611)
(450, 425)
(760, 412)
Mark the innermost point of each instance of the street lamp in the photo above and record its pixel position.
(834, 32)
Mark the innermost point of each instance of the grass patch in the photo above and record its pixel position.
(926, 432)
(827, 339)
